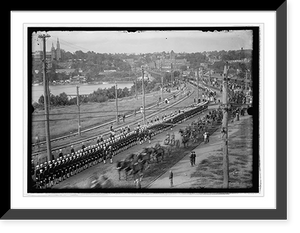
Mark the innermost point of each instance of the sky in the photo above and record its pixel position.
(146, 41)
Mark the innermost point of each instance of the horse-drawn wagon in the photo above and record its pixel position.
(136, 164)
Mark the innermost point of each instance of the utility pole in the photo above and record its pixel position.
(225, 129)
(198, 86)
(172, 74)
(246, 80)
(162, 88)
(117, 110)
(78, 105)
(136, 94)
(143, 88)
(46, 100)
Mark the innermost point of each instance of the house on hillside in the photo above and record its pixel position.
(78, 79)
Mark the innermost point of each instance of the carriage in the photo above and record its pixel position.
(136, 164)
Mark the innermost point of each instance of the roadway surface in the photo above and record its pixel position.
(81, 180)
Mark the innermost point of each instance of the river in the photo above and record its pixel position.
(69, 89)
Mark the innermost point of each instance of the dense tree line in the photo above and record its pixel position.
(99, 96)
(98, 61)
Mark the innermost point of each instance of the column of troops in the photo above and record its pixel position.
(52, 172)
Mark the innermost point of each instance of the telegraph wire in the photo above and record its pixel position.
(69, 44)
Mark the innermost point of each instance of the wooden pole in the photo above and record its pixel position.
(198, 94)
(162, 88)
(225, 127)
(143, 88)
(117, 109)
(46, 100)
(78, 105)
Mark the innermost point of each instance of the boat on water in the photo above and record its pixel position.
(105, 82)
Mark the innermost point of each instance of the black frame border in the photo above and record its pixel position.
(279, 213)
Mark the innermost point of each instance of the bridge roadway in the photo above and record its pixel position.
(81, 180)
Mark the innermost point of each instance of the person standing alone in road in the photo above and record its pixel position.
(192, 158)
(171, 178)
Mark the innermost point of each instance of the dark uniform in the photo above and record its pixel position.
(194, 158)
(171, 178)
(191, 159)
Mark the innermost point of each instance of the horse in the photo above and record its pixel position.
(137, 168)
(124, 165)
(185, 140)
(149, 153)
(131, 157)
(159, 152)
(98, 182)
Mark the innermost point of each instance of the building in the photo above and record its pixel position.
(54, 54)
(171, 63)
(78, 79)
(38, 56)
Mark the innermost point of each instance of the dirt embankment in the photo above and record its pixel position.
(209, 172)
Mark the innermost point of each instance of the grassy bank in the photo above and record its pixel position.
(209, 172)
(64, 120)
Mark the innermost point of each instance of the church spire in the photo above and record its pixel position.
(58, 53)
(52, 52)
(57, 44)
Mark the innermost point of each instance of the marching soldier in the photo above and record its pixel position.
(72, 150)
(60, 155)
(104, 154)
(110, 154)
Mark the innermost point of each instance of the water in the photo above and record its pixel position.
(69, 89)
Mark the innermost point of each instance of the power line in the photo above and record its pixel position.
(69, 44)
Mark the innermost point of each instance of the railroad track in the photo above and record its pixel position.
(96, 127)
(94, 136)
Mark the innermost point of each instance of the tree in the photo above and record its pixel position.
(176, 73)
(41, 99)
(35, 105)
(79, 55)
(63, 99)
